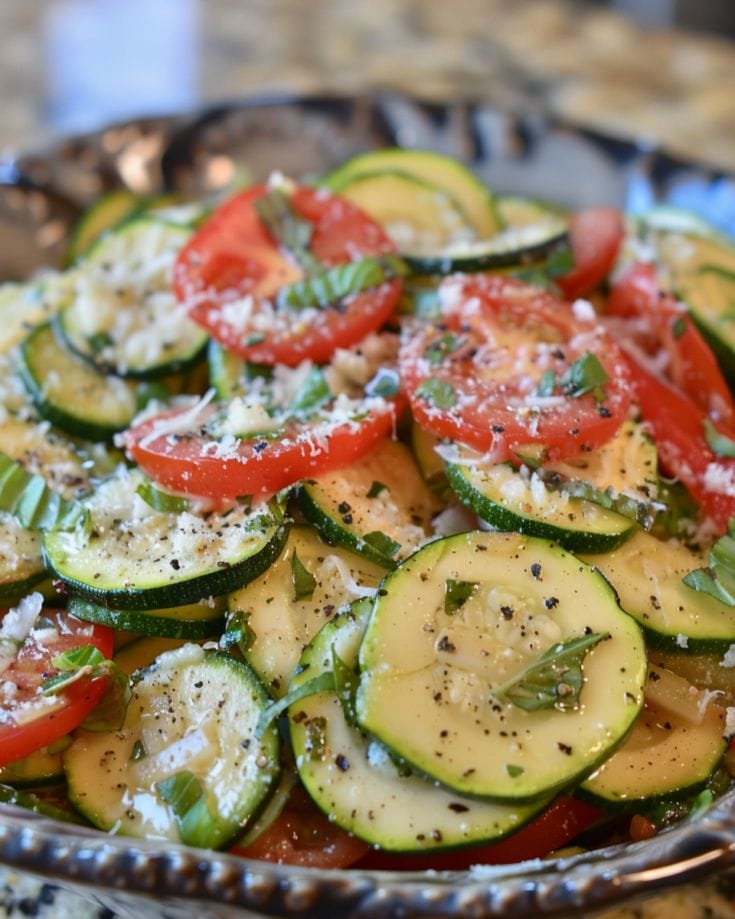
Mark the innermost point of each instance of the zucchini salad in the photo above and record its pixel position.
(379, 520)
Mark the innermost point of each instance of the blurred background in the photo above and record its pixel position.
(663, 70)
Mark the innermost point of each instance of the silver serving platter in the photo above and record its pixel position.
(41, 194)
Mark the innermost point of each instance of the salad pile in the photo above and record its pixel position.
(381, 520)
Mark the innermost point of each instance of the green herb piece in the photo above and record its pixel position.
(304, 583)
(585, 375)
(162, 500)
(138, 752)
(377, 488)
(33, 504)
(513, 770)
(288, 229)
(547, 384)
(718, 579)
(98, 341)
(560, 262)
(717, 442)
(437, 392)
(237, 632)
(644, 512)
(183, 792)
(346, 681)
(324, 682)
(439, 349)
(312, 394)
(88, 662)
(384, 384)
(532, 455)
(456, 594)
(384, 544)
(554, 680)
(331, 286)
(678, 327)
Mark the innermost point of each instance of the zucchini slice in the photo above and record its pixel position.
(379, 507)
(461, 674)
(352, 778)
(186, 764)
(123, 316)
(646, 574)
(42, 767)
(676, 744)
(192, 622)
(446, 173)
(107, 213)
(288, 604)
(138, 558)
(70, 393)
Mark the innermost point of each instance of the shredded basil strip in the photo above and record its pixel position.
(346, 681)
(304, 583)
(33, 504)
(183, 792)
(324, 682)
(237, 632)
(312, 394)
(289, 229)
(718, 579)
(437, 392)
(456, 594)
(547, 384)
(554, 680)
(585, 375)
(717, 442)
(162, 500)
(332, 285)
(643, 512)
(377, 488)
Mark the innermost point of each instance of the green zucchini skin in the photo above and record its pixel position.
(425, 670)
(367, 794)
(116, 565)
(70, 393)
(179, 622)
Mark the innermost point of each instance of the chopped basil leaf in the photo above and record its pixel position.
(547, 384)
(289, 229)
(644, 512)
(313, 393)
(332, 285)
(585, 375)
(561, 261)
(346, 681)
(181, 791)
(376, 489)
(162, 500)
(324, 682)
(385, 384)
(237, 632)
(717, 442)
(138, 752)
(678, 327)
(532, 455)
(437, 392)
(554, 680)
(304, 583)
(439, 349)
(33, 504)
(513, 770)
(99, 341)
(718, 579)
(456, 594)
(384, 544)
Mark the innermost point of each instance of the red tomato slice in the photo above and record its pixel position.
(27, 724)
(193, 463)
(302, 835)
(676, 425)
(658, 323)
(475, 376)
(596, 235)
(229, 271)
(552, 829)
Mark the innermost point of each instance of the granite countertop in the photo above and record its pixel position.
(71, 65)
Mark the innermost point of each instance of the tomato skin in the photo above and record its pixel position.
(660, 323)
(552, 829)
(31, 667)
(596, 235)
(302, 835)
(254, 469)
(232, 256)
(511, 334)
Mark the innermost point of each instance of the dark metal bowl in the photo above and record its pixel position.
(40, 196)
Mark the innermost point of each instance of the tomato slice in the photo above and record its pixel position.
(195, 463)
(552, 829)
(229, 271)
(30, 721)
(303, 835)
(660, 326)
(479, 375)
(596, 235)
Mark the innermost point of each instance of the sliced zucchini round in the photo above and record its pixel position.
(70, 393)
(123, 316)
(646, 574)
(353, 779)
(107, 213)
(194, 621)
(21, 559)
(500, 666)
(42, 767)
(186, 764)
(136, 558)
(288, 604)
(380, 507)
